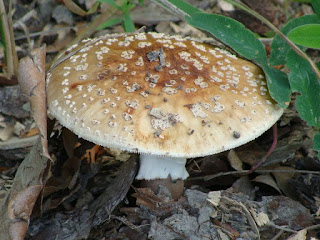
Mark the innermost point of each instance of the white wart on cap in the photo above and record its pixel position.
(163, 95)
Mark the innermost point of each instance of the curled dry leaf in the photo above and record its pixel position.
(19, 210)
(16, 207)
(268, 180)
(214, 197)
(31, 77)
(234, 160)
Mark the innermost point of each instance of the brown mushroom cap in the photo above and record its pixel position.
(158, 94)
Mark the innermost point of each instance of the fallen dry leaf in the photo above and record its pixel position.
(19, 210)
(283, 179)
(214, 197)
(268, 180)
(18, 204)
(234, 160)
(31, 77)
(301, 235)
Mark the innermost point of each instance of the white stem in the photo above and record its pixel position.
(160, 167)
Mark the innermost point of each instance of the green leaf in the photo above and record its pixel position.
(278, 85)
(316, 6)
(279, 48)
(127, 23)
(112, 3)
(304, 80)
(316, 143)
(109, 23)
(232, 33)
(127, 6)
(243, 41)
(306, 35)
(184, 6)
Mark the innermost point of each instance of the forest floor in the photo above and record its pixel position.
(90, 191)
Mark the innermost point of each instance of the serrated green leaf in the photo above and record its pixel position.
(184, 6)
(232, 33)
(316, 6)
(279, 48)
(316, 143)
(306, 35)
(243, 41)
(304, 80)
(278, 85)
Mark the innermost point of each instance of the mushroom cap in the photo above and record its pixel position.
(158, 94)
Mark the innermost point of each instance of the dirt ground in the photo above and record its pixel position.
(90, 191)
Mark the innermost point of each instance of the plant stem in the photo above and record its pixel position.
(9, 44)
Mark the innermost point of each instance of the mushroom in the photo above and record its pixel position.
(165, 97)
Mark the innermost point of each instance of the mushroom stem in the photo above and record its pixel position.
(161, 167)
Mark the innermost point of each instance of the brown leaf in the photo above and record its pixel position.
(283, 180)
(301, 235)
(16, 207)
(268, 180)
(157, 205)
(79, 11)
(70, 140)
(234, 160)
(31, 77)
(19, 210)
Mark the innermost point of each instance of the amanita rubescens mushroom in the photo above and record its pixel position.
(165, 97)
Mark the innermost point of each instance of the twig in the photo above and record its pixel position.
(273, 146)
(27, 33)
(281, 228)
(29, 15)
(278, 235)
(125, 221)
(245, 172)
(313, 227)
(251, 220)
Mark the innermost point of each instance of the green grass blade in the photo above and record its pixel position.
(109, 23)
(127, 23)
(112, 3)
